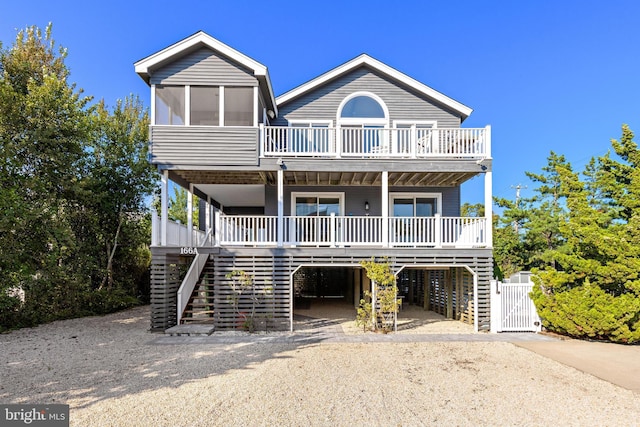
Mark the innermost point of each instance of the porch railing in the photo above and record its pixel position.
(281, 141)
(177, 233)
(352, 231)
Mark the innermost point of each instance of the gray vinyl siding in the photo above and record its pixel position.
(202, 146)
(403, 103)
(355, 197)
(203, 67)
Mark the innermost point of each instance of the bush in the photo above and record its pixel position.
(589, 312)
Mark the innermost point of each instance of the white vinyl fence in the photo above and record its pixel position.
(512, 310)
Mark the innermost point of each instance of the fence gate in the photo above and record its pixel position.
(511, 307)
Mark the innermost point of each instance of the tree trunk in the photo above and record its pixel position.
(108, 279)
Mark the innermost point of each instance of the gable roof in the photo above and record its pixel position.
(366, 60)
(145, 66)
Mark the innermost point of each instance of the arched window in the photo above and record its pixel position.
(362, 106)
(361, 117)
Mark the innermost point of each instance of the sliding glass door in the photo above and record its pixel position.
(413, 221)
(312, 213)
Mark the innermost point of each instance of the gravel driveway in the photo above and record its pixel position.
(112, 372)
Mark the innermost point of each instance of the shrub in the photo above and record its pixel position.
(589, 312)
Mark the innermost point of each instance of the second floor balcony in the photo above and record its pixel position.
(245, 145)
(375, 142)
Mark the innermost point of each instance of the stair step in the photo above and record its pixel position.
(190, 330)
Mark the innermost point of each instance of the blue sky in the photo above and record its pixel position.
(546, 75)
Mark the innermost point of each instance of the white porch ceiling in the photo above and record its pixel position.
(235, 194)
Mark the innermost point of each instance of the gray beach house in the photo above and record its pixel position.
(362, 161)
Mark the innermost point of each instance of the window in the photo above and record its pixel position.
(238, 106)
(412, 219)
(317, 205)
(418, 205)
(169, 109)
(311, 211)
(362, 117)
(362, 106)
(205, 106)
(310, 137)
(410, 133)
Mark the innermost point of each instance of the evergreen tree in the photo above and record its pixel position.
(593, 289)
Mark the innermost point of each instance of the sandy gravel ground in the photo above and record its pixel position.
(110, 374)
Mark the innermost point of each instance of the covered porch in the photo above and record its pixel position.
(293, 208)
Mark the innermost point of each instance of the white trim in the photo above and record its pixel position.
(144, 66)
(316, 194)
(164, 206)
(437, 196)
(433, 123)
(187, 105)
(385, 208)
(153, 104)
(363, 120)
(190, 215)
(382, 68)
(221, 106)
(256, 105)
(280, 207)
(488, 207)
(294, 123)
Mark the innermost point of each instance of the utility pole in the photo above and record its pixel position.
(518, 188)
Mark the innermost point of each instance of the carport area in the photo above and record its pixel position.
(434, 300)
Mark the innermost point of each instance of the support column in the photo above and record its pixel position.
(164, 206)
(207, 215)
(427, 290)
(449, 287)
(190, 216)
(280, 223)
(488, 208)
(357, 279)
(385, 208)
(488, 195)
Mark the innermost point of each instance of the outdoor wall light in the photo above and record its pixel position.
(366, 207)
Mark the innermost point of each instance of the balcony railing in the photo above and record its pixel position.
(340, 231)
(177, 234)
(473, 143)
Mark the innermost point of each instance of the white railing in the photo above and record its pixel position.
(189, 282)
(248, 230)
(352, 231)
(375, 142)
(177, 233)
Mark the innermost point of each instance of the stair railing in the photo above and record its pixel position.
(189, 283)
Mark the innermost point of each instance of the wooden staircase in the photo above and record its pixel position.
(200, 306)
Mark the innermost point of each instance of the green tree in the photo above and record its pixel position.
(469, 210)
(593, 288)
(117, 181)
(73, 183)
(178, 206)
(528, 229)
(43, 124)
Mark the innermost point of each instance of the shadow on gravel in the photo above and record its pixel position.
(93, 359)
